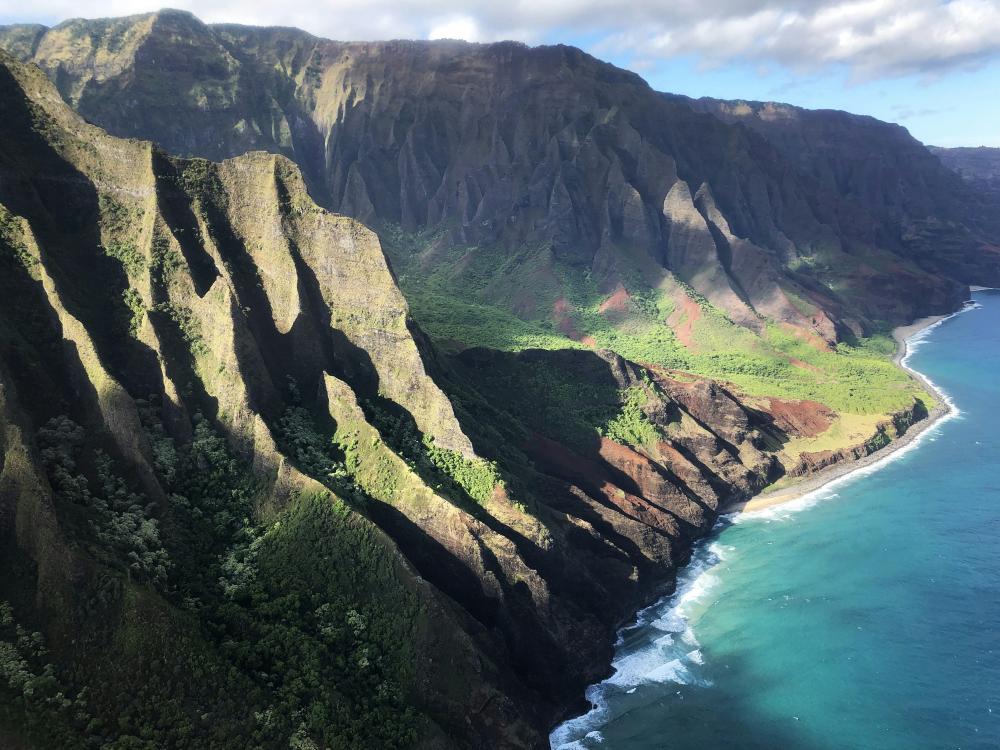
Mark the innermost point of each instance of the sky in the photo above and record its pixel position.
(930, 65)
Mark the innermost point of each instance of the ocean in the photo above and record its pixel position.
(864, 615)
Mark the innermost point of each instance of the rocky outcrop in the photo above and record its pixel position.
(131, 278)
(916, 204)
(429, 550)
(977, 166)
(811, 462)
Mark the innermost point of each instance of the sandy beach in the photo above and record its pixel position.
(825, 476)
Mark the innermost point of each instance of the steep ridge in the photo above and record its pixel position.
(972, 162)
(246, 502)
(545, 157)
(136, 331)
(944, 225)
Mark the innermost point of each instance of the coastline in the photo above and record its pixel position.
(703, 555)
(832, 473)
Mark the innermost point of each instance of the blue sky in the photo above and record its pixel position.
(960, 108)
(931, 65)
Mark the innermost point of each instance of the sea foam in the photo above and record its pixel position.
(828, 491)
(659, 647)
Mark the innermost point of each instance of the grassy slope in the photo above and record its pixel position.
(472, 297)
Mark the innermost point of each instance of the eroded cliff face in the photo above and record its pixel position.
(977, 166)
(918, 204)
(972, 163)
(138, 329)
(507, 147)
(244, 499)
(229, 452)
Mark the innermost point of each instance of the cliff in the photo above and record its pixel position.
(545, 151)
(246, 502)
(943, 224)
(977, 166)
(971, 163)
(249, 501)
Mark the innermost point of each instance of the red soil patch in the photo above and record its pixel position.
(800, 418)
(682, 320)
(617, 302)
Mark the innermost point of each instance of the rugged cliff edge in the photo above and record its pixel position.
(555, 164)
(943, 224)
(248, 501)
(978, 166)
(245, 501)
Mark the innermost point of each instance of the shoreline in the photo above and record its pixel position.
(806, 486)
(830, 474)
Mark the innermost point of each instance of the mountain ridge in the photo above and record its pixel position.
(635, 314)
(218, 459)
(482, 212)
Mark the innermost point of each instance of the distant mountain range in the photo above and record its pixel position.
(979, 166)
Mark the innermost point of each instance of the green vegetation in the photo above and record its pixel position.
(166, 261)
(187, 324)
(118, 226)
(567, 396)
(12, 239)
(32, 694)
(312, 612)
(199, 178)
(479, 478)
(126, 253)
(631, 426)
(305, 605)
(310, 450)
(137, 309)
(469, 296)
(471, 324)
(120, 520)
(447, 471)
(464, 297)
(288, 631)
(847, 429)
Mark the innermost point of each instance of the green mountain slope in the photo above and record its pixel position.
(245, 502)
(539, 197)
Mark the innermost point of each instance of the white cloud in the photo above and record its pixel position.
(872, 38)
(461, 27)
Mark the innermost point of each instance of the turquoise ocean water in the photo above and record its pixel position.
(866, 615)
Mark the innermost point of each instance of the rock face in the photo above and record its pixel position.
(506, 147)
(972, 163)
(911, 201)
(229, 455)
(885, 432)
(978, 166)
